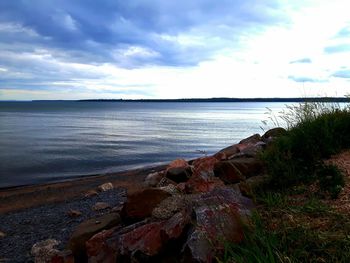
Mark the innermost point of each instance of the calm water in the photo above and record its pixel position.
(51, 141)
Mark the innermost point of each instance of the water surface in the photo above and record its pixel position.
(51, 141)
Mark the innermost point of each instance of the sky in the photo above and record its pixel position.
(112, 49)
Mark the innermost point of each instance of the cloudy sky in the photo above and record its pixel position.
(173, 49)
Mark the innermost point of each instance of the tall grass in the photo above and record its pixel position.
(315, 131)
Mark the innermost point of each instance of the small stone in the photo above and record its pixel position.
(170, 188)
(74, 213)
(105, 187)
(2, 234)
(45, 250)
(100, 206)
(90, 193)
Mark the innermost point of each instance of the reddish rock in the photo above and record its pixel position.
(204, 166)
(100, 206)
(198, 184)
(227, 152)
(235, 170)
(179, 174)
(87, 229)
(140, 204)
(105, 187)
(98, 250)
(218, 217)
(251, 139)
(178, 163)
(215, 226)
(146, 239)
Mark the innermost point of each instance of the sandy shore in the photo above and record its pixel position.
(31, 214)
(16, 198)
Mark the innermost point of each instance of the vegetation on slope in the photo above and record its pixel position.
(295, 221)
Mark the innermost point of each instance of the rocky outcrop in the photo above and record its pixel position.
(187, 211)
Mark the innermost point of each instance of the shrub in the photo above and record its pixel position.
(331, 180)
(314, 133)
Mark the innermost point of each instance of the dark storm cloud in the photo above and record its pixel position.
(95, 31)
(302, 61)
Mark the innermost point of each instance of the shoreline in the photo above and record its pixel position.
(16, 198)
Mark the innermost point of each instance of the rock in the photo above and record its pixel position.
(165, 182)
(153, 179)
(100, 206)
(140, 204)
(150, 239)
(178, 163)
(74, 213)
(218, 216)
(179, 174)
(198, 184)
(227, 152)
(235, 170)
(204, 166)
(251, 139)
(98, 250)
(170, 188)
(273, 133)
(105, 187)
(250, 150)
(2, 234)
(228, 172)
(169, 206)
(90, 193)
(87, 229)
(45, 252)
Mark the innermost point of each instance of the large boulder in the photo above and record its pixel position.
(140, 204)
(170, 206)
(273, 133)
(235, 170)
(251, 139)
(227, 152)
(139, 242)
(87, 229)
(98, 250)
(179, 174)
(218, 220)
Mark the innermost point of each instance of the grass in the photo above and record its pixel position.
(293, 222)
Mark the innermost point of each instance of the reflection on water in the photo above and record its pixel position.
(48, 141)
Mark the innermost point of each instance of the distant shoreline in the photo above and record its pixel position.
(307, 99)
(310, 99)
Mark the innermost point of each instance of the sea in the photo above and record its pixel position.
(51, 141)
